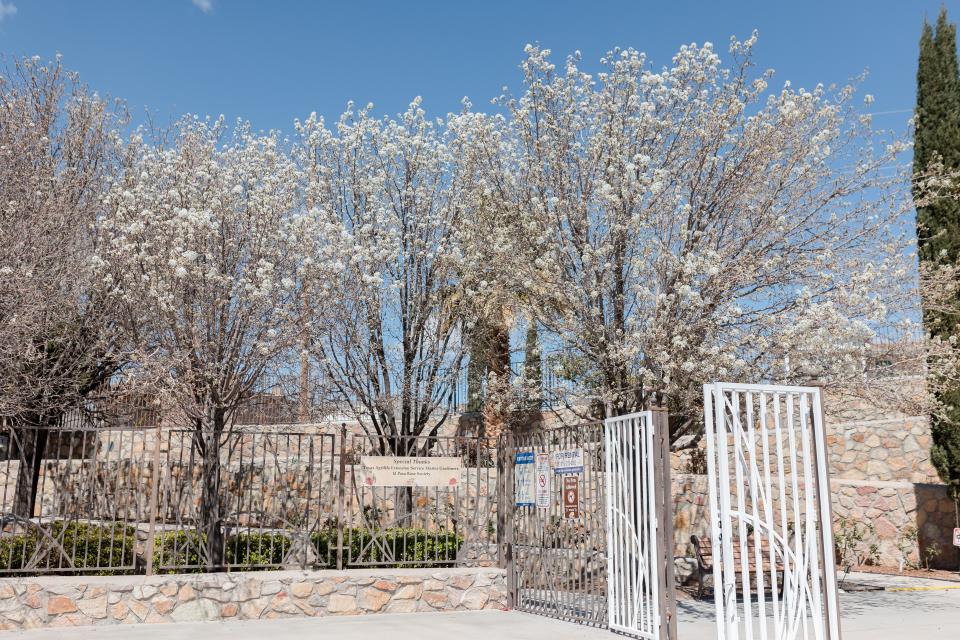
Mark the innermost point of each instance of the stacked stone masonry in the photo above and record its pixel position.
(64, 601)
(880, 474)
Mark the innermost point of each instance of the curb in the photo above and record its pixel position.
(945, 587)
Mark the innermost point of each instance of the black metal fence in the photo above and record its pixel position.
(132, 499)
(558, 564)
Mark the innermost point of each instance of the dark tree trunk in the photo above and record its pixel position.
(404, 507)
(33, 442)
(403, 496)
(211, 518)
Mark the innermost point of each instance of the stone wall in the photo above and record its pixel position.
(64, 601)
(880, 473)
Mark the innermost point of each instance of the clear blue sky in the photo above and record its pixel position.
(271, 62)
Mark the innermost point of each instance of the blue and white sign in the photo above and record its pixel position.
(568, 461)
(524, 481)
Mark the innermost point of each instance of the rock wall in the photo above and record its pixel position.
(880, 474)
(64, 601)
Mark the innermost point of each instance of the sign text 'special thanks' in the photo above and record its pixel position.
(404, 471)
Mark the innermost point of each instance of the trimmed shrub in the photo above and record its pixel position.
(105, 549)
(184, 551)
(178, 552)
(397, 546)
(257, 549)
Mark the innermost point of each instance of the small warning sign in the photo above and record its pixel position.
(571, 497)
(525, 490)
(543, 480)
(956, 537)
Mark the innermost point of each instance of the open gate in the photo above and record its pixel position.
(586, 524)
(770, 510)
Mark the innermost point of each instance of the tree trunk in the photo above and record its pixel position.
(211, 519)
(33, 442)
(404, 507)
(403, 496)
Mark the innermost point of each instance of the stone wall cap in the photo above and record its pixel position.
(48, 581)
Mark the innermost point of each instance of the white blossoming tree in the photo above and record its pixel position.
(678, 226)
(201, 248)
(388, 334)
(57, 153)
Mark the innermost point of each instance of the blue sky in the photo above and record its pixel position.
(271, 62)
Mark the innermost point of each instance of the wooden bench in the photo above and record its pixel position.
(705, 559)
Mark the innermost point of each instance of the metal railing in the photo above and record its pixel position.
(558, 559)
(109, 499)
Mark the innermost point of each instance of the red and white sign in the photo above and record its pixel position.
(571, 497)
(956, 537)
(542, 480)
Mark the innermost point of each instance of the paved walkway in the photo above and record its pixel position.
(474, 625)
(867, 615)
(876, 615)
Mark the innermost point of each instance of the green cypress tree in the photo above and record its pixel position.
(937, 137)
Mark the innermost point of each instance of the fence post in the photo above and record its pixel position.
(305, 532)
(825, 499)
(505, 512)
(341, 495)
(664, 501)
(154, 499)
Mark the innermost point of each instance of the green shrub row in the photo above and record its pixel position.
(408, 547)
(110, 549)
(77, 544)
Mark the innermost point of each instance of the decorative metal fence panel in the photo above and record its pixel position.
(134, 499)
(559, 563)
(420, 524)
(770, 505)
(271, 500)
(72, 498)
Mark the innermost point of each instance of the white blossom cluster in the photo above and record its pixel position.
(200, 243)
(688, 224)
(664, 226)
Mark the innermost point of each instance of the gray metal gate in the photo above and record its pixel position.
(553, 534)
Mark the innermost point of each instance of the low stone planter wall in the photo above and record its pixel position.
(59, 601)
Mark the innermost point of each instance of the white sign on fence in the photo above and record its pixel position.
(956, 537)
(404, 471)
(543, 480)
(524, 479)
(568, 461)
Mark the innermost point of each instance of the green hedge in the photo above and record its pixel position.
(180, 551)
(408, 547)
(86, 546)
(89, 546)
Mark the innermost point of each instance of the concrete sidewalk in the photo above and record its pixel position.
(877, 615)
(473, 625)
(869, 615)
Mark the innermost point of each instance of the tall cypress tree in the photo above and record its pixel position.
(937, 137)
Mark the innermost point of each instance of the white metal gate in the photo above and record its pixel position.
(638, 529)
(770, 507)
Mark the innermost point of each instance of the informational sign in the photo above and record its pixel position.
(956, 537)
(568, 461)
(543, 480)
(405, 471)
(571, 497)
(523, 475)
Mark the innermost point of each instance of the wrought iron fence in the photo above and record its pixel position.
(102, 498)
(558, 563)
